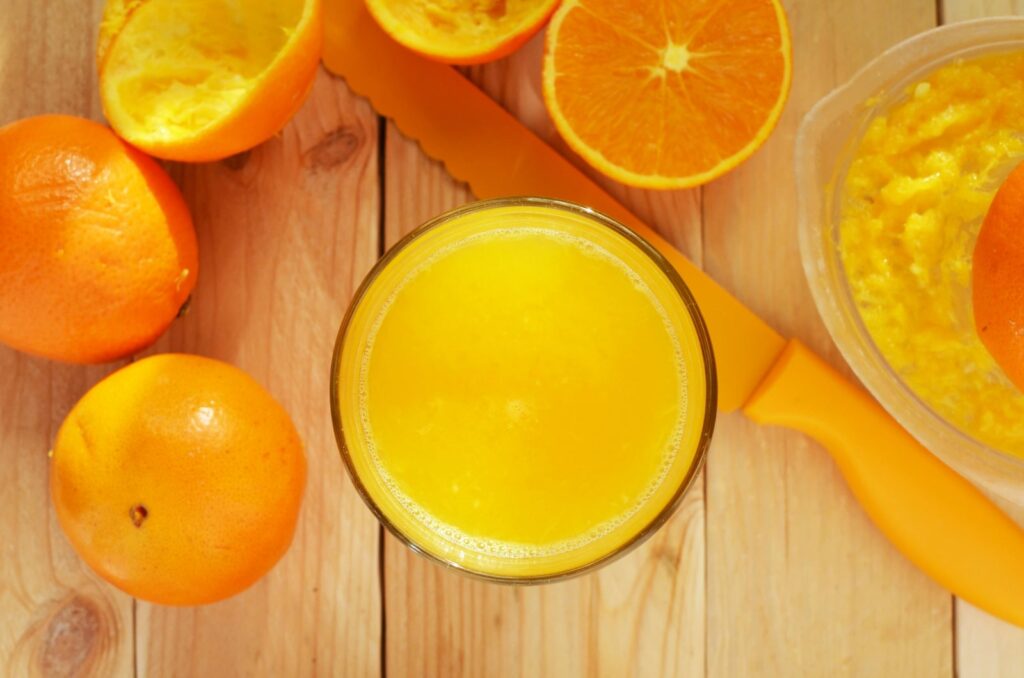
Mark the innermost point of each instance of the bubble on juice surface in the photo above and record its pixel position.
(503, 549)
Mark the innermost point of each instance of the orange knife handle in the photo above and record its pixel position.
(942, 523)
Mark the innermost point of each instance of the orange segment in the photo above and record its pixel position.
(667, 94)
(998, 272)
(201, 80)
(461, 31)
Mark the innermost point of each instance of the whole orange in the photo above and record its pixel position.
(998, 278)
(97, 248)
(178, 479)
(199, 80)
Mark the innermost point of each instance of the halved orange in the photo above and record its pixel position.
(200, 80)
(667, 94)
(461, 31)
(998, 278)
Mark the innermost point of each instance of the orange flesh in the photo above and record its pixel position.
(667, 99)
(920, 181)
(178, 66)
(461, 31)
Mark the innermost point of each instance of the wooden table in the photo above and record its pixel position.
(768, 569)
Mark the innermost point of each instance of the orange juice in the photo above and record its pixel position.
(523, 388)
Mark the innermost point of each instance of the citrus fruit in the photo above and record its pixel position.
(998, 278)
(461, 31)
(666, 94)
(178, 479)
(199, 80)
(97, 249)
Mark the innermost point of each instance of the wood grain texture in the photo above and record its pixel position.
(799, 582)
(286, 232)
(641, 616)
(986, 647)
(769, 568)
(56, 617)
(962, 10)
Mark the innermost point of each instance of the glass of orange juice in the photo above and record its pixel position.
(523, 389)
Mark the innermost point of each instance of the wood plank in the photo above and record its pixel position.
(962, 10)
(56, 617)
(986, 647)
(286, 232)
(641, 616)
(799, 582)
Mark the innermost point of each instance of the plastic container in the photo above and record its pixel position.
(826, 142)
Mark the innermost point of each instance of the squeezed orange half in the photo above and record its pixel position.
(199, 80)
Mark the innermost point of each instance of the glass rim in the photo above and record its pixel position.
(703, 339)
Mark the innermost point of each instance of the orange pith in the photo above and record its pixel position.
(998, 278)
(199, 80)
(667, 94)
(97, 248)
(178, 479)
(461, 31)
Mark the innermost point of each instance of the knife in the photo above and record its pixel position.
(938, 520)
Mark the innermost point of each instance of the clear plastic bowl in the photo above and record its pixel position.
(826, 142)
